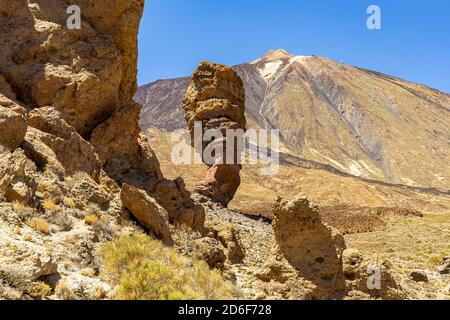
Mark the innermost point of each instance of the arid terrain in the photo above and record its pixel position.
(93, 208)
(367, 177)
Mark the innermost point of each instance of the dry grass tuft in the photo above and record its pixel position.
(17, 231)
(39, 290)
(144, 269)
(18, 207)
(50, 205)
(40, 225)
(68, 202)
(88, 272)
(90, 219)
(63, 291)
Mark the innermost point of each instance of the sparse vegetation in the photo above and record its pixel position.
(50, 205)
(144, 269)
(88, 272)
(40, 225)
(23, 212)
(99, 293)
(45, 186)
(39, 290)
(69, 202)
(102, 227)
(95, 209)
(17, 207)
(62, 220)
(63, 291)
(90, 219)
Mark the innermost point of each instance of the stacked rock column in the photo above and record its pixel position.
(216, 99)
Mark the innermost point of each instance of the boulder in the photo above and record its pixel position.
(229, 238)
(28, 262)
(419, 276)
(445, 267)
(147, 211)
(211, 251)
(369, 278)
(16, 177)
(311, 255)
(13, 127)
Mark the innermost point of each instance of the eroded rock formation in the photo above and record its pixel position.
(306, 242)
(216, 99)
(313, 255)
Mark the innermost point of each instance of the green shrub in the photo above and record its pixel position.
(145, 269)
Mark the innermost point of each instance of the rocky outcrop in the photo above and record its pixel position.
(369, 278)
(210, 251)
(306, 242)
(444, 268)
(56, 146)
(313, 255)
(229, 238)
(216, 99)
(16, 177)
(12, 128)
(87, 75)
(306, 250)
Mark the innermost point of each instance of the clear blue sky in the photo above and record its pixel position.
(414, 43)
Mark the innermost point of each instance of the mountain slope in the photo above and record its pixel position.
(361, 122)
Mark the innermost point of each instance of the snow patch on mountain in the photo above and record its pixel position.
(269, 69)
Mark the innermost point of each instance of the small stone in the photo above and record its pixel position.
(419, 276)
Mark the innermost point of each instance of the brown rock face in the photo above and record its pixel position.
(16, 177)
(12, 128)
(216, 99)
(56, 146)
(87, 75)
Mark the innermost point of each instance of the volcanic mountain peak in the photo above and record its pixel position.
(275, 60)
(274, 55)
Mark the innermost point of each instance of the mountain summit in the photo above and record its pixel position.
(360, 122)
(274, 55)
